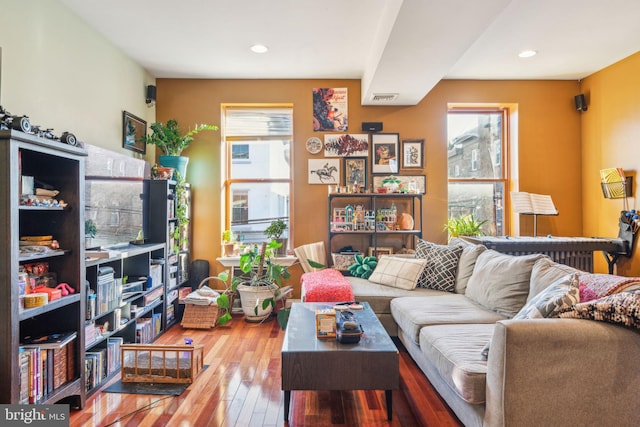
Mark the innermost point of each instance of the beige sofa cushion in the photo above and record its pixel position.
(379, 296)
(500, 282)
(454, 350)
(467, 261)
(413, 313)
(545, 272)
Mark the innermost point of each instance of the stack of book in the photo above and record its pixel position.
(46, 363)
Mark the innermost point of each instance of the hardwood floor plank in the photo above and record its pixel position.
(241, 387)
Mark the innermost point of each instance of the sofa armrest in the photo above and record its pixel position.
(562, 372)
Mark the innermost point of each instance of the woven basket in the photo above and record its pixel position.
(205, 316)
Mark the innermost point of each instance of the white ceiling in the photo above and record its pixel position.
(399, 47)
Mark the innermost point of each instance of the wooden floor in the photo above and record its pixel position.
(241, 387)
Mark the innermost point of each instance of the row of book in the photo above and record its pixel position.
(101, 363)
(108, 292)
(46, 363)
(147, 328)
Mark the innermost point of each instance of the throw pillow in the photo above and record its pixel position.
(544, 272)
(467, 261)
(441, 265)
(398, 272)
(558, 297)
(622, 308)
(500, 282)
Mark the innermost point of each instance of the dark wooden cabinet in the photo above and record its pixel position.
(166, 202)
(59, 166)
(125, 304)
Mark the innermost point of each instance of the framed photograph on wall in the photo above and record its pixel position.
(346, 145)
(134, 133)
(412, 154)
(384, 156)
(324, 171)
(355, 171)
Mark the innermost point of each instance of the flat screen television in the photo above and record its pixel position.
(113, 196)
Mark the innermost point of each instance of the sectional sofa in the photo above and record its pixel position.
(490, 333)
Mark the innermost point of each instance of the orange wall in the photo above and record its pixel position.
(548, 138)
(610, 138)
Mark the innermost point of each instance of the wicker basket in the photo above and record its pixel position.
(205, 316)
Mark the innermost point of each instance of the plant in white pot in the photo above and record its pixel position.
(168, 139)
(260, 284)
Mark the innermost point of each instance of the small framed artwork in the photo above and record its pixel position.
(355, 171)
(324, 171)
(377, 252)
(134, 133)
(346, 145)
(384, 153)
(413, 154)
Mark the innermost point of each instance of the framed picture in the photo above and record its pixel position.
(413, 154)
(324, 171)
(355, 171)
(346, 145)
(384, 153)
(406, 181)
(376, 252)
(134, 133)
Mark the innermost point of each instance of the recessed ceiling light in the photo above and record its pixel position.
(259, 48)
(527, 53)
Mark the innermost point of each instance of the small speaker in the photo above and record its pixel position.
(371, 126)
(151, 94)
(581, 102)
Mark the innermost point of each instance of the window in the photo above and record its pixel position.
(477, 176)
(258, 174)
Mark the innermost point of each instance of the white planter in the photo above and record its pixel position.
(252, 297)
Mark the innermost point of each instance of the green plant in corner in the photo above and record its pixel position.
(168, 139)
(181, 213)
(259, 271)
(466, 225)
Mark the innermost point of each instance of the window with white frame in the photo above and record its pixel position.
(258, 174)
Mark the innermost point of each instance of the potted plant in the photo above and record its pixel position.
(274, 231)
(466, 225)
(168, 139)
(90, 231)
(228, 242)
(260, 283)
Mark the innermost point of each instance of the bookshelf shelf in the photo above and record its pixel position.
(28, 374)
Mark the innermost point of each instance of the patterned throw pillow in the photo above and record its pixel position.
(622, 308)
(397, 272)
(556, 298)
(441, 267)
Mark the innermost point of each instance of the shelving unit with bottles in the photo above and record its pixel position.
(165, 201)
(363, 221)
(60, 166)
(125, 304)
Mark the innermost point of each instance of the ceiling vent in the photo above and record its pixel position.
(384, 97)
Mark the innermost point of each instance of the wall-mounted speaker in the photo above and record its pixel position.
(581, 102)
(372, 126)
(151, 94)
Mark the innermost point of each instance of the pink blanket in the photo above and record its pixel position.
(328, 285)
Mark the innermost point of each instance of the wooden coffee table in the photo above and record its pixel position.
(309, 363)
